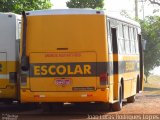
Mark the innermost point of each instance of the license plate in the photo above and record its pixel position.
(62, 82)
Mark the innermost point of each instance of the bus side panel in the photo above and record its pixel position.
(9, 62)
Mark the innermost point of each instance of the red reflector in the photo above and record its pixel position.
(23, 90)
(102, 89)
(36, 96)
(89, 95)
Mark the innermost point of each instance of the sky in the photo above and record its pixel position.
(119, 5)
(116, 6)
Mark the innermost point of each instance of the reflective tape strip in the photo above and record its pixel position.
(4, 76)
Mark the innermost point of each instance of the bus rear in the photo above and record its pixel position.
(63, 56)
(9, 43)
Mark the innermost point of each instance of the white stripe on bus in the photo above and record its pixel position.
(4, 76)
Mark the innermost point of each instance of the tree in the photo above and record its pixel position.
(151, 33)
(17, 6)
(85, 4)
(156, 2)
(125, 14)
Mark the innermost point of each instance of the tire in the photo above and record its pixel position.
(131, 99)
(138, 85)
(118, 105)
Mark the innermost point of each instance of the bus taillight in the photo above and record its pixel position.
(103, 79)
(23, 80)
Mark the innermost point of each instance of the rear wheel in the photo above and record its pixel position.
(131, 99)
(138, 85)
(118, 105)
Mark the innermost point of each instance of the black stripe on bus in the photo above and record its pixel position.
(97, 68)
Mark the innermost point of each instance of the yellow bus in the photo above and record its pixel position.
(10, 25)
(80, 55)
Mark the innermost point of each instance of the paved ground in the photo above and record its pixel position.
(147, 102)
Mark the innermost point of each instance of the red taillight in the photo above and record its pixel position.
(23, 80)
(36, 96)
(103, 79)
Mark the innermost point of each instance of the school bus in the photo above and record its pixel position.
(80, 55)
(10, 24)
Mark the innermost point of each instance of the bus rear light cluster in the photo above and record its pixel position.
(39, 96)
(24, 80)
(104, 79)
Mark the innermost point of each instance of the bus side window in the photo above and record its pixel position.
(19, 29)
(132, 41)
(121, 43)
(18, 39)
(0, 67)
(136, 41)
(126, 37)
(109, 36)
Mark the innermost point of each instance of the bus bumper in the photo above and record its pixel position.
(96, 96)
(8, 93)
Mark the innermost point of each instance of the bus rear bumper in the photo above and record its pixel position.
(96, 96)
(9, 92)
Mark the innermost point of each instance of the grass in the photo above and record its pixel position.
(153, 85)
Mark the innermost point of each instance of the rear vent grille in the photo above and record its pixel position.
(62, 48)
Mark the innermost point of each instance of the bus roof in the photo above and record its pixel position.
(71, 11)
(10, 13)
(84, 11)
(122, 18)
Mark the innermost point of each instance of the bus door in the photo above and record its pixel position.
(3, 70)
(141, 62)
(115, 49)
(115, 60)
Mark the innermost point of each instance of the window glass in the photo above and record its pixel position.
(121, 46)
(109, 36)
(132, 41)
(127, 41)
(121, 42)
(136, 40)
(120, 31)
(126, 35)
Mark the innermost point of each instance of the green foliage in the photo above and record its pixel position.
(151, 33)
(85, 4)
(17, 6)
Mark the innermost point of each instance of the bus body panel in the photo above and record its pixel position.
(50, 70)
(53, 38)
(86, 96)
(68, 42)
(3, 70)
(73, 32)
(9, 34)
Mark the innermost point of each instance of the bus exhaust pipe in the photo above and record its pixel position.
(25, 58)
(24, 63)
